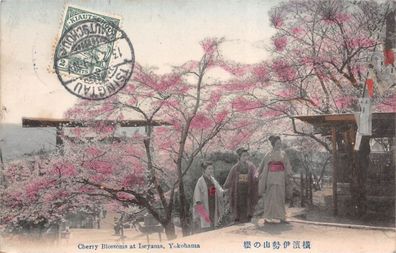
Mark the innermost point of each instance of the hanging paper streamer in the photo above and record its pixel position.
(383, 76)
(365, 117)
(370, 87)
(389, 57)
(358, 137)
(202, 212)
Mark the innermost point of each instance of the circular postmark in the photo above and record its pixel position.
(94, 59)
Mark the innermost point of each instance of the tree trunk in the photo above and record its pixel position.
(359, 175)
(183, 209)
(169, 230)
(363, 166)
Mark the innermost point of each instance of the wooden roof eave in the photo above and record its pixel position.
(45, 122)
(383, 124)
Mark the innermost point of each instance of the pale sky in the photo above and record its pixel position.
(163, 34)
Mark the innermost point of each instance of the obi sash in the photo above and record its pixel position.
(243, 178)
(276, 166)
(212, 191)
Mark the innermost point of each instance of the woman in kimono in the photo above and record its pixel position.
(208, 198)
(242, 185)
(275, 171)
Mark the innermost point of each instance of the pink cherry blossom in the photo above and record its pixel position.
(342, 17)
(280, 43)
(33, 188)
(103, 167)
(77, 132)
(288, 92)
(200, 121)
(337, 18)
(209, 45)
(239, 85)
(389, 104)
(271, 113)
(239, 138)
(361, 42)
(260, 71)
(68, 169)
(297, 31)
(190, 66)
(344, 102)
(283, 70)
(93, 151)
(130, 88)
(132, 180)
(221, 116)
(125, 196)
(132, 101)
(234, 68)
(242, 104)
(174, 103)
(277, 21)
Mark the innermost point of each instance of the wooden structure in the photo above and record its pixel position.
(43, 122)
(150, 226)
(306, 188)
(59, 124)
(350, 167)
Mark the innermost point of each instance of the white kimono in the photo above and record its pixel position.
(201, 194)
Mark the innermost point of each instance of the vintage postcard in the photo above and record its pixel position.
(197, 126)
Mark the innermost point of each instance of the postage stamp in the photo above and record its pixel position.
(94, 58)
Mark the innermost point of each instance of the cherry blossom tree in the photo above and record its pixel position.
(38, 192)
(322, 50)
(193, 109)
(320, 60)
(182, 115)
(319, 65)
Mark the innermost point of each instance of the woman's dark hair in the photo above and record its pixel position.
(205, 164)
(240, 151)
(273, 139)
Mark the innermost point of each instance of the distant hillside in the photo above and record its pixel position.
(16, 141)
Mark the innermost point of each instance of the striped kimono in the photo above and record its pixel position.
(275, 171)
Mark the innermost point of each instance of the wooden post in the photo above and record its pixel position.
(334, 151)
(59, 141)
(302, 189)
(363, 167)
(2, 176)
(306, 186)
(310, 188)
(354, 178)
